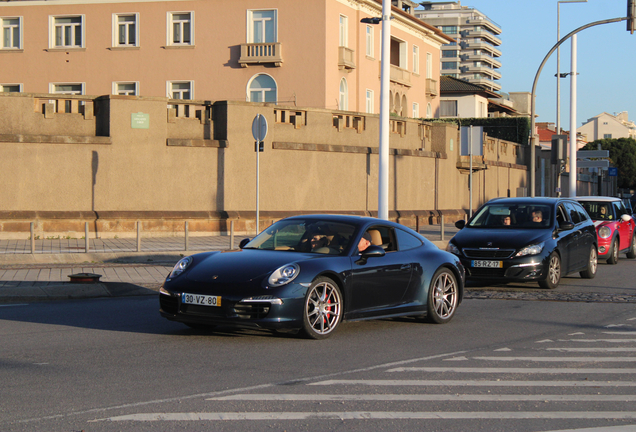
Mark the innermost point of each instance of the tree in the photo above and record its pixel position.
(622, 153)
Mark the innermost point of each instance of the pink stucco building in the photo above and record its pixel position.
(309, 53)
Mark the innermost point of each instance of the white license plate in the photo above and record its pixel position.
(488, 264)
(200, 299)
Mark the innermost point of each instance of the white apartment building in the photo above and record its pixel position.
(606, 125)
(474, 55)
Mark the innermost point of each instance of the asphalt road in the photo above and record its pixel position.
(502, 364)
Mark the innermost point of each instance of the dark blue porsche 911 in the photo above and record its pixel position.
(312, 272)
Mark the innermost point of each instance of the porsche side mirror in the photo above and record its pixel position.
(373, 252)
(565, 226)
(243, 243)
(460, 224)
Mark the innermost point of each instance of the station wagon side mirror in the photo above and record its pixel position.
(565, 226)
(243, 243)
(460, 224)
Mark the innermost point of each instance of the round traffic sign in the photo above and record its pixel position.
(259, 127)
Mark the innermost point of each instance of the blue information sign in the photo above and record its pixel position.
(612, 172)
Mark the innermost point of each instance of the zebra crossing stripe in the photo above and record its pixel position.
(561, 359)
(478, 383)
(293, 397)
(367, 415)
(518, 370)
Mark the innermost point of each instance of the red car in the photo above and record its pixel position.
(614, 227)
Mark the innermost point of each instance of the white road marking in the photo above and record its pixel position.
(427, 397)
(457, 359)
(577, 333)
(592, 349)
(544, 341)
(561, 359)
(597, 340)
(368, 415)
(632, 333)
(518, 370)
(478, 383)
(615, 325)
(503, 349)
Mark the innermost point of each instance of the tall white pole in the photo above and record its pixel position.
(383, 180)
(573, 173)
(558, 75)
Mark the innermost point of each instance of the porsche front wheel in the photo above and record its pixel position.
(322, 309)
(442, 297)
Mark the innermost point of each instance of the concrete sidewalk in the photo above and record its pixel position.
(43, 275)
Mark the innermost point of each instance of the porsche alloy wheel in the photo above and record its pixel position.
(323, 308)
(442, 297)
(553, 277)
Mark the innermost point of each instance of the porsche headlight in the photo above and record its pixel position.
(180, 267)
(452, 249)
(604, 232)
(283, 275)
(531, 250)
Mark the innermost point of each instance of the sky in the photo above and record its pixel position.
(606, 55)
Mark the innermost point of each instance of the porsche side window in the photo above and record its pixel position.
(383, 236)
(406, 241)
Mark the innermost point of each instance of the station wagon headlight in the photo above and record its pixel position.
(180, 267)
(531, 250)
(452, 249)
(604, 232)
(283, 275)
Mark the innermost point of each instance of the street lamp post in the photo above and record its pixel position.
(385, 71)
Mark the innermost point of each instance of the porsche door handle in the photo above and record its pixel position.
(405, 267)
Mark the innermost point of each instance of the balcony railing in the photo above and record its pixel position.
(258, 53)
(431, 88)
(400, 76)
(346, 58)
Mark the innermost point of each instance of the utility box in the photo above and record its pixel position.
(559, 149)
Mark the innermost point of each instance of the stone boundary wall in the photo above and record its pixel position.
(111, 161)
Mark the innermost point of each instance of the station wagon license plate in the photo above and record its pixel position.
(487, 264)
(200, 299)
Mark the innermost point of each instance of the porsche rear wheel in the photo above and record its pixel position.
(553, 277)
(613, 259)
(323, 308)
(592, 265)
(442, 297)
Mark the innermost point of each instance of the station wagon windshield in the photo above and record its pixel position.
(511, 216)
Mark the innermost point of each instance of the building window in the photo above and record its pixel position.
(416, 59)
(262, 88)
(67, 32)
(449, 53)
(370, 41)
(429, 66)
(448, 108)
(126, 30)
(429, 110)
(607, 136)
(67, 88)
(262, 26)
(369, 102)
(10, 88)
(180, 89)
(449, 65)
(181, 28)
(11, 33)
(343, 26)
(449, 30)
(416, 110)
(344, 95)
(126, 88)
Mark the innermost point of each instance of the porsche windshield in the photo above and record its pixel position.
(323, 237)
(503, 215)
